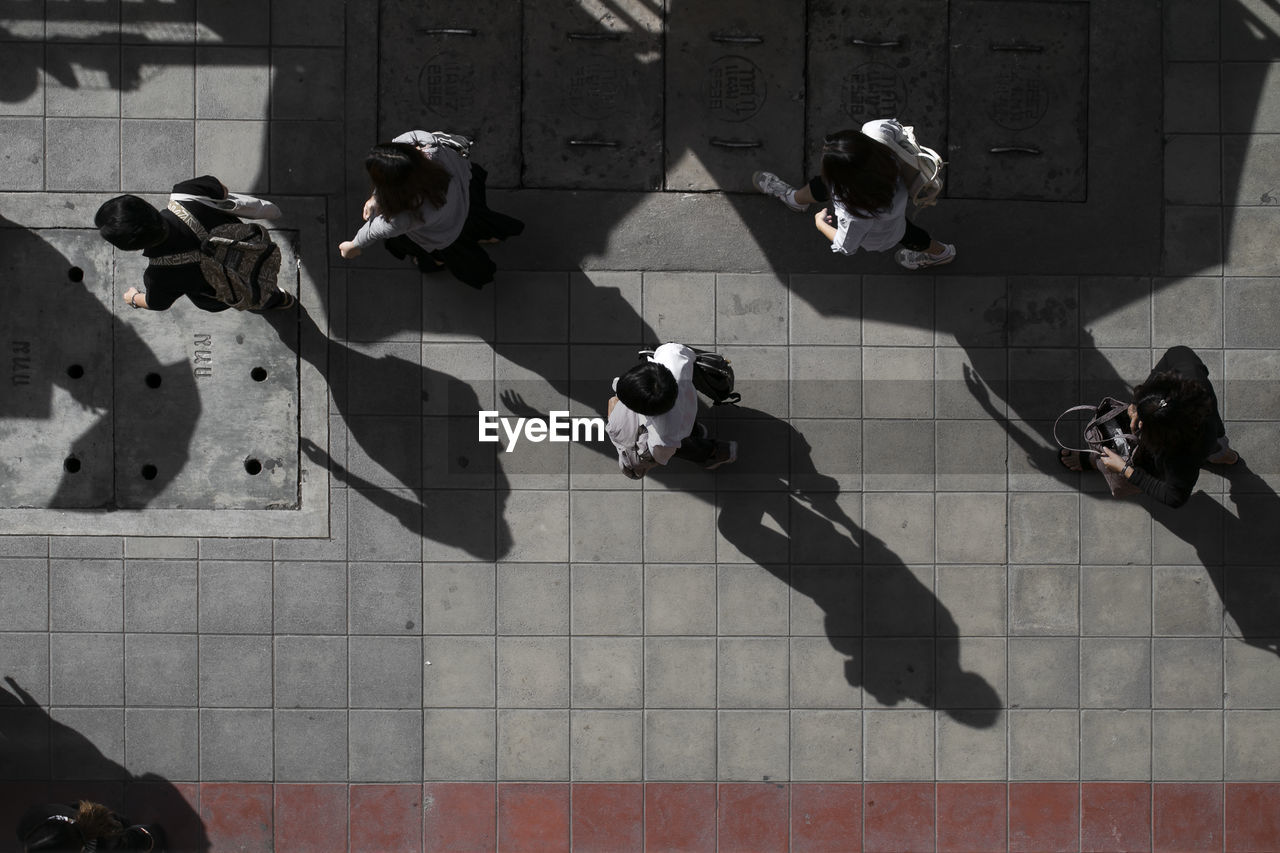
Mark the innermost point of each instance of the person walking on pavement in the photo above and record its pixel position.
(428, 203)
(654, 415)
(175, 242)
(865, 198)
(1174, 415)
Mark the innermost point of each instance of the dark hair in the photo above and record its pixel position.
(40, 830)
(405, 179)
(130, 223)
(648, 389)
(1173, 411)
(862, 173)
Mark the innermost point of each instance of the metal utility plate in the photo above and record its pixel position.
(873, 60)
(592, 109)
(1019, 93)
(454, 66)
(735, 93)
(185, 418)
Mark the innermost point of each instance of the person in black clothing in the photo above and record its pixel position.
(131, 223)
(1174, 414)
(86, 826)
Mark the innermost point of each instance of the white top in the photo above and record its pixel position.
(668, 429)
(875, 234)
(438, 226)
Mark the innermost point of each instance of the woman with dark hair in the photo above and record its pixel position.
(84, 827)
(866, 197)
(428, 203)
(1174, 415)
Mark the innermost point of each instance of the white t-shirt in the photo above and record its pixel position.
(875, 234)
(433, 227)
(668, 429)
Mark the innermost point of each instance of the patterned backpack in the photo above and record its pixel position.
(238, 260)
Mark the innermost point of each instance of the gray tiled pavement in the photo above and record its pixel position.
(885, 586)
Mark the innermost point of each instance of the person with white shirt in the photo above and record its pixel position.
(657, 403)
(862, 184)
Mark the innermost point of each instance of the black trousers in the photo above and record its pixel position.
(465, 257)
(915, 238)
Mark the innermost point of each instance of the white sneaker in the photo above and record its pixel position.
(770, 184)
(913, 260)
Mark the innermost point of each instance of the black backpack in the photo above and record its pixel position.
(712, 376)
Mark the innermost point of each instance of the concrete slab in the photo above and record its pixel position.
(734, 85)
(875, 60)
(1019, 108)
(592, 107)
(454, 73)
(137, 384)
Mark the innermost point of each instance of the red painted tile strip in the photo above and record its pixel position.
(679, 817)
(310, 818)
(1115, 817)
(460, 817)
(972, 817)
(826, 818)
(897, 817)
(753, 817)
(608, 818)
(533, 817)
(237, 815)
(1044, 817)
(1187, 817)
(1252, 818)
(386, 818)
(464, 817)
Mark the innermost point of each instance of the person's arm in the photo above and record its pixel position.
(824, 227)
(1172, 492)
(846, 235)
(377, 228)
(135, 298)
(205, 185)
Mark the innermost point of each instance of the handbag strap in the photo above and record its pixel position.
(1081, 408)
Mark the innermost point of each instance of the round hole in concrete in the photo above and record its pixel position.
(75, 371)
(253, 467)
(258, 374)
(149, 472)
(153, 380)
(75, 274)
(71, 465)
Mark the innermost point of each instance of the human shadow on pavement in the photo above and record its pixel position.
(429, 473)
(1237, 549)
(901, 644)
(43, 760)
(63, 339)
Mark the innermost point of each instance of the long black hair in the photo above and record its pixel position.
(861, 172)
(1173, 412)
(405, 179)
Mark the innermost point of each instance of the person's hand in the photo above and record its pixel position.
(348, 250)
(130, 293)
(1133, 419)
(820, 218)
(370, 209)
(1113, 461)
